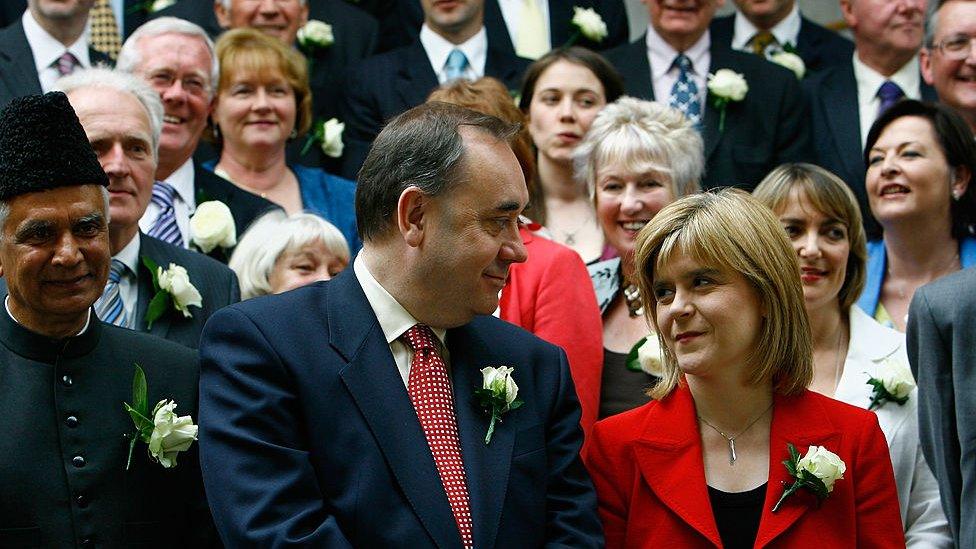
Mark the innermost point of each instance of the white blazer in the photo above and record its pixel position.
(872, 347)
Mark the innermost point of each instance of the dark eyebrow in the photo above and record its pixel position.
(511, 206)
(32, 227)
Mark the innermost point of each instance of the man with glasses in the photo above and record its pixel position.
(949, 57)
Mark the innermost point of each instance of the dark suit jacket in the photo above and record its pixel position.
(767, 128)
(11, 10)
(308, 435)
(244, 206)
(942, 351)
(63, 449)
(388, 84)
(18, 75)
(819, 47)
(650, 478)
(216, 283)
(836, 130)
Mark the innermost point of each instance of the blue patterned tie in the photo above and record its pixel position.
(889, 93)
(165, 227)
(684, 93)
(456, 64)
(109, 308)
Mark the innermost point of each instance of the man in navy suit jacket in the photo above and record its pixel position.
(817, 46)
(767, 128)
(310, 424)
(390, 83)
(844, 99)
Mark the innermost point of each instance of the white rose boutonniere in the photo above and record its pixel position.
(589, 24)
(646, 355)
(329, 135)
(497, 395)
(894, 384)
(314, 36)
(817, 472)
(791, 61)
(173, 288)
(725, 86)
(150, 6)
(166, 433)
(212, 226)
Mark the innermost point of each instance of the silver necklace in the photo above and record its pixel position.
(837, 358)
(731, 438)
(569, 237)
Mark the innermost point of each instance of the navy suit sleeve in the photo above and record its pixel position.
(254, 454)
(572, 519)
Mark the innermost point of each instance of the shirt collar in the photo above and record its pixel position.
(786, 31)
(393, 318)
(129, 254)
(182, 181)
(868, 80)
(438, 48)
(662, 54)
(47, 49)
(6, 305)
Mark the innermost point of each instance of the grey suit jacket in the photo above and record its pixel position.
(942, 352)
(216, 283)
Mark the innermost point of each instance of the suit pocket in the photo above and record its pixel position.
(529, 440)
(145, 534)
(21, 537)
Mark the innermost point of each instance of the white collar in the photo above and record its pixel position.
(786, 31)
(393, 318)
(438, 48)
(868, 80)
(47, 49)
(182, 181)
(6, 305)
(129, 254)
(662, 54)
(874, 341)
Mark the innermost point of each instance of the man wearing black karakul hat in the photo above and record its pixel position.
(65, 475)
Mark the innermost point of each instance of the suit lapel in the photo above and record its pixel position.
(636, 70)
(496, 28)
(801, 421)
(503, 67)
(808, 44)
(486, 465)
(838, 95)
(415, 78)
(560, 12)
(148, 248)
(376, 387)
(669, 455)
(17, 62)
(710, 129)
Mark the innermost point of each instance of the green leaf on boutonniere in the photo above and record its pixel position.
(139, 412)
(633, 359)
(160, 301)
(817, 472)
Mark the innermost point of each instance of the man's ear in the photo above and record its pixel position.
(223, 15)
(412, 215)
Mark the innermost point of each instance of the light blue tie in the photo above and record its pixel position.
(456, 64)
(684, 93)
(165, 227)
(109, 308)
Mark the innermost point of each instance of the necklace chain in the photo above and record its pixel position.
(569, 237)
(901, 290)
(731, 439)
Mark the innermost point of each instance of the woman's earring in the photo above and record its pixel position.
(956, 195)
(216, 132)
(293, 134)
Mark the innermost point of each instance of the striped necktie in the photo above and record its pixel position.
(109, 308)
(165, 227)
(104, 29)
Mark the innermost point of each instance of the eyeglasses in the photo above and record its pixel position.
(957, 47)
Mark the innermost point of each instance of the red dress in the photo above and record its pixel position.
(649, 475)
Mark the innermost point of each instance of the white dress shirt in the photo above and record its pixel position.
(47, 50)
(785, 32)
(393, 318)
(129, 281)
(184, 203)
(872, 347)
(661, 56)
(868, 80)
(6, 305)
(512, 14)
(437, 48)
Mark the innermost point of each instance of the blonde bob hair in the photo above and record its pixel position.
(246, 50)
(271, 236)
(831, 197)
(732, 231)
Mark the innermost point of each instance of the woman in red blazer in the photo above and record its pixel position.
(702, 464)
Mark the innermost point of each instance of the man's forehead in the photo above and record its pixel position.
(174, 50)
(73, 202)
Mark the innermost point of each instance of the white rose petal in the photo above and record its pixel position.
(332, 138)
(171, 434)
(161, 5)
(316, 33)
(499, 381)
(791, 61)
(590, 23)
(212, 225)
(897, 379)
(728, 84)
(650, 357)
(176, 281)
(823, 464)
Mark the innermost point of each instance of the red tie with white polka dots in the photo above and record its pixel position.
(430, 392)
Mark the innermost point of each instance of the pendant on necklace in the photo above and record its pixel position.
(731, 451)
(570, 240)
